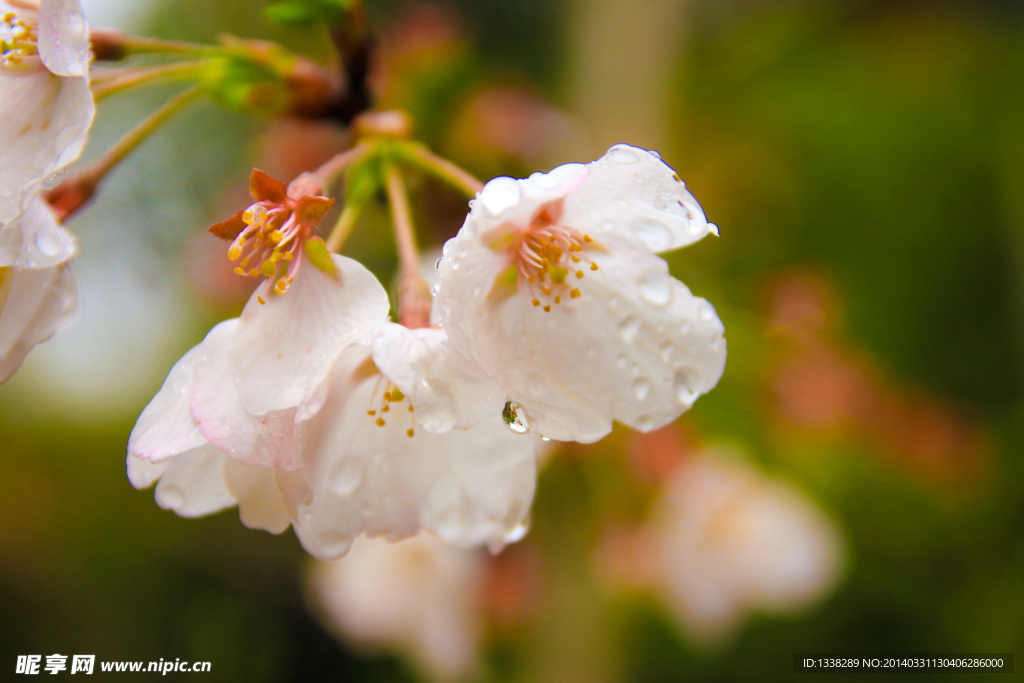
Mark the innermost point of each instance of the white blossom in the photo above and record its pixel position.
(552, 287)
(418, 597)
(339, 449)
(730, 543)
(46, 106)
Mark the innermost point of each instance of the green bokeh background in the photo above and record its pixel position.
(878, 145)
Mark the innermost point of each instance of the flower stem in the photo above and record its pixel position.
(75, 191)
(111, 44)
(326, 174)
(137, 77)
(419, 155)
(414, 299)
(343, 228)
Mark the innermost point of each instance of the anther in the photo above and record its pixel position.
(386, 408)
(371, 413)
(546, 291)
(260, 299)
(579, 274)
(575, 259)
(535, 302)
(547, 308)
(409, 432)
(380, 422)
(558, 298)
(575, 294)
(588, 238)
(593, 266)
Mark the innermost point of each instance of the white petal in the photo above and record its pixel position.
(193, 483)
(33, 305)
(267, 440)
(364, 479)
(166, 427)
(282, 351)
(260, 504)
(484, 494)
(44, 124)
(636, 346)
(448, 390)
(631, 193)
(63, 37)
(44, 242)
(143, 473)
(505, 202)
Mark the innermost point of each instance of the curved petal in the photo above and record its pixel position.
(191, 484)
(282, 351)
(632, 193)
(260, 504)
(44, 242)
(448, 390)
(485, 492)
(363, 478)
(33, 305)
(508, 201)
(635, 346)
(63, 37)
(44, 124)
(166, 427)
(267, 440)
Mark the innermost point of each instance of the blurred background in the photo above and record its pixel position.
(854, 483)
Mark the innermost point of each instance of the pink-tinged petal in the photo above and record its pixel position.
(44, 243)
(33, 305)
(362, 478)
(44, 124)
(484, 494)
(166, 427)
(282, 351)
(634, 346)
(193, 483)
(630, 193)
(63, 37)
(260, 504)
(142, 473)
(267, 440)
(448, 390)
(505, 202)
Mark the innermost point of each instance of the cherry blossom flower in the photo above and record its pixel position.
(419, 597)
(730, 542)
(553, 288)
(46, 106)
(34, 303)
(285, 412)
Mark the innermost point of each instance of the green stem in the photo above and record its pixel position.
(135, 45)
(343, 228)
(135, 78)
(422, 157)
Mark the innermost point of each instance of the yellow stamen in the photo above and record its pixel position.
(579, 274)
(558, 299)
(535, 302)
(593, 266)
(575, 294)
(260, 299)
(409, 432)
(380, 422)
(547, 308)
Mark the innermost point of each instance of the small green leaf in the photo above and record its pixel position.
(319, 256)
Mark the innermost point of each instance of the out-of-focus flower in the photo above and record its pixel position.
(46, 106)
(34, 303)
(729, 542)
(311, 400)
(552, 286)
(418, 597)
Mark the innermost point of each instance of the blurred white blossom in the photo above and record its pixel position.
(418, 597)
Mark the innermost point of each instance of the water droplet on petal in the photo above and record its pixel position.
(641, 387)
(623, 155)
(684, 393)
(544, 438)
(656, 289)
(53, 180)
(518, 531)
(707, 311)
(654, 234)
(514, 418)
(334, 544)
(434, 289)
(47, 244)
(644, 423)
(347, 478)
(628, 328)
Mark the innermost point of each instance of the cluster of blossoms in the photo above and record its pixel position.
(553, 314)
(46, 109)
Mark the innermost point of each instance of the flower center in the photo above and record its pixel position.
(268, 244)
(551, 259)
(18, 50)
(391, 395)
